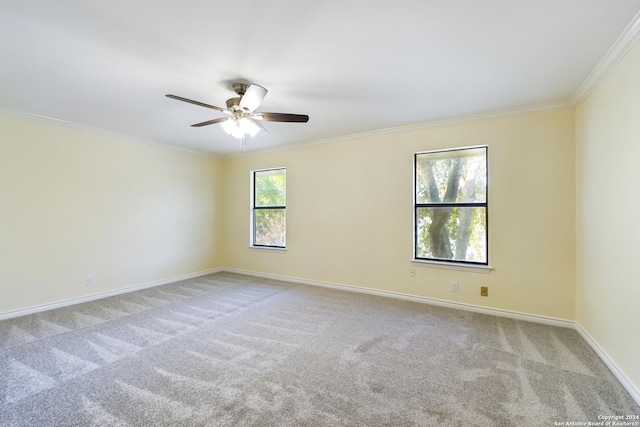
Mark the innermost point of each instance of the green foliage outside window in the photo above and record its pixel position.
(451, 205)
(269, 214)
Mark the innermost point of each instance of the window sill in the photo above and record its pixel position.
(485, 269)
(267, 248)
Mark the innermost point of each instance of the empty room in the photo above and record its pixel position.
(336, 213)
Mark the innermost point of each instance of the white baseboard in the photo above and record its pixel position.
(633, 390)
(619, 374)
(397, 295)
(106, 294)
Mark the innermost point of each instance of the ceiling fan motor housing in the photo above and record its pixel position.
(233, 104)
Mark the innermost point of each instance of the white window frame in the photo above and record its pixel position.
(441, 263)
(252, 244)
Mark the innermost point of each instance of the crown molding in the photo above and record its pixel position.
(497, 114)
(620, 48)
(97, 131)
(490, 115)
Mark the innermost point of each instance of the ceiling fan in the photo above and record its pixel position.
(242, 117)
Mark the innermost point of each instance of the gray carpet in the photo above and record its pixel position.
(226, 350)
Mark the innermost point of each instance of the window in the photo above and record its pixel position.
(450, 206)
(269, 208)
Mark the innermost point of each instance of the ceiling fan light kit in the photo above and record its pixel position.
(241, 111)
(240, 128)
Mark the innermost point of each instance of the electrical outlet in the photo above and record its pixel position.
(413, 272)
(484, 291)
(88, 281)
(267, 262)
(454, 286)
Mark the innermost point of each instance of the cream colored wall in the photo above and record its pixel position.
(608, 215)
(349, 213)
(74, 204)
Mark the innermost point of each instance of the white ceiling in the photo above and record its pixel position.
(352, 65)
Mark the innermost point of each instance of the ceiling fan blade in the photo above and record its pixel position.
(282, 117)
(202, 104)
(210, 122)
(253, 97)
